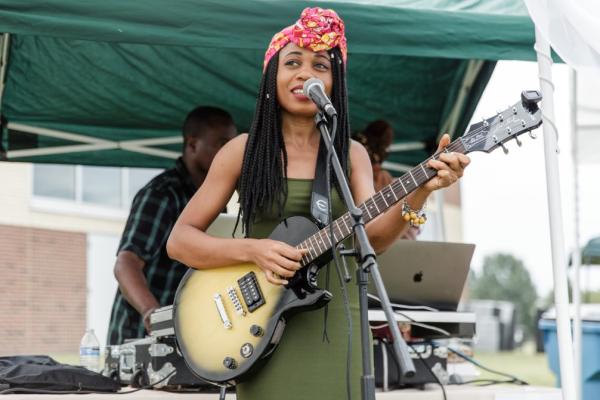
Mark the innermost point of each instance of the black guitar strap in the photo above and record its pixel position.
(319, 207)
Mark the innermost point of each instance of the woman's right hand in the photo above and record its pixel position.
(278, 260)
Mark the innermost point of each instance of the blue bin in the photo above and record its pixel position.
(590, 341)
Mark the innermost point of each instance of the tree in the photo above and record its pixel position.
(504, 277)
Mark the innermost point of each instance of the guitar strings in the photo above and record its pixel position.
(317, 242)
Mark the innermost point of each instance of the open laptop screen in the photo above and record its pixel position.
(425, 273)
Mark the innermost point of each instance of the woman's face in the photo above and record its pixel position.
(296, 66)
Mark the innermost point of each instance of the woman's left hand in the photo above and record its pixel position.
(450, 167)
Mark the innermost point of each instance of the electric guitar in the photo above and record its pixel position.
(228, 320)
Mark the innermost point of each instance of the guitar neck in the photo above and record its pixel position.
(320, 242)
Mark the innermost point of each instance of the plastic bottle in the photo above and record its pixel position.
(89, 351)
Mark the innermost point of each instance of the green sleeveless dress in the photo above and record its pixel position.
(305, 366)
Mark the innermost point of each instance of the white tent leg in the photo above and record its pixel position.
(559, 265)
(439, 208)
(576, 249)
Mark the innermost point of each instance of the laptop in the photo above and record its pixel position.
(424, 273)
(223, 226)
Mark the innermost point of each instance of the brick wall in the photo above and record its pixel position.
(42, 290)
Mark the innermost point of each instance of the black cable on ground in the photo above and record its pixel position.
(430, 371)
(512, 379)
(485, 382)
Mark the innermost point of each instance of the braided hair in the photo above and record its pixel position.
(262, 186)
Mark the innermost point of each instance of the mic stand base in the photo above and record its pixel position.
(367, 380)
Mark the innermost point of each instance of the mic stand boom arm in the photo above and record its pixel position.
(368, 264)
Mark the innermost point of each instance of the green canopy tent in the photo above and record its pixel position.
(108, 83)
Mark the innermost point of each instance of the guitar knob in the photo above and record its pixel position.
(230, 363)
(256, 331)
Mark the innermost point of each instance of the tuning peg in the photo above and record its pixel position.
(518, 141)
(532, 135)
(504, 149)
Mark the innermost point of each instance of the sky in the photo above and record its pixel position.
(504, 197)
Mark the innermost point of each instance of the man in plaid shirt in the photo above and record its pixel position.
(147, 277)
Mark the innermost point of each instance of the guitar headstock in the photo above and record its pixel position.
(494, 132)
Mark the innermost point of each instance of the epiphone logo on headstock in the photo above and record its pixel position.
(474, 139)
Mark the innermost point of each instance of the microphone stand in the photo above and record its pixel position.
(365, 256)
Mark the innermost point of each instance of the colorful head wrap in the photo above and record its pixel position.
(317, 29)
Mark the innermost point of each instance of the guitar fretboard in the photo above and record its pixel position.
(320, 242)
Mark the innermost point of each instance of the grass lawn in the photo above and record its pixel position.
(530, 367)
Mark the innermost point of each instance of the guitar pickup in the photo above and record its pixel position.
(251, 292)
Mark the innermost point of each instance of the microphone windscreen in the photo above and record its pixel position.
(311, 82)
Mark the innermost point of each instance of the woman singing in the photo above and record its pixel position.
(273, 167)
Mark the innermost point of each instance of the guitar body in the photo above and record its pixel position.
(228, 320)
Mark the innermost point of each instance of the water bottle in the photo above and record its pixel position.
(89, 351)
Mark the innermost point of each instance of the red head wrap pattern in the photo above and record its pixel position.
(317, 29)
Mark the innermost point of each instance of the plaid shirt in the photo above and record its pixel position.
(153, 213)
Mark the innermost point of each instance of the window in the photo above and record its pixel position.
(57, 181)
(100, 185)
(92, 190)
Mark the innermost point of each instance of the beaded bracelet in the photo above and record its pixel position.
(414, 217)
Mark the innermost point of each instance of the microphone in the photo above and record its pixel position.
(315, 90)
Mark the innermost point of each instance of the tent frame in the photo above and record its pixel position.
(90, 143)
(471, 74)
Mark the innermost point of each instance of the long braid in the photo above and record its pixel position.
(339, 98)
(262, 185)
(261, 181)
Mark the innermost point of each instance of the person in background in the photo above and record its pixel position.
(377, 138)
(147, 277)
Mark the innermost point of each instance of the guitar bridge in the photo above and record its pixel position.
(251, 292)
(236, 301)
(221, 310)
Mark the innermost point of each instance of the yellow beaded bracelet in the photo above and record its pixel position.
(414, 217)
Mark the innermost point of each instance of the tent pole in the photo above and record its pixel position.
(559, 265)
(471, 74)
(439, 207)
(4, 44)
(406, 146)
(91, 144)
(577, 248)
(394, 166)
